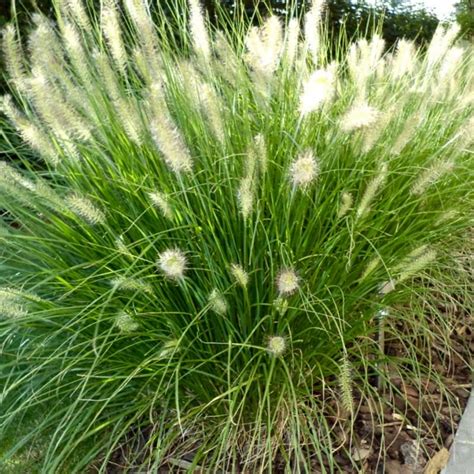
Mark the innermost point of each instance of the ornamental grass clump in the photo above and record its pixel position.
(204, 225)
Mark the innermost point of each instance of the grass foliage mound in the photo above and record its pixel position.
(225, 227)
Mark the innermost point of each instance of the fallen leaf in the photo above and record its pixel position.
(361, 454)
(437, 462)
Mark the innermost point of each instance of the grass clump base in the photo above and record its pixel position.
(226, 229)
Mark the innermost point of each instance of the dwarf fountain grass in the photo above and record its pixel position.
(186, 290)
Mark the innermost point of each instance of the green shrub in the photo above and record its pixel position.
(225, 233)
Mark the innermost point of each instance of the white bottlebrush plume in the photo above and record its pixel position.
(287, 282)
(17, 294)
(276, 346)
(46, 50)
(79, 14)
(347, 201)
(131, 285)
(261, 152)
(292, 41)
(198, 30)
(139, 13)
(213, 108)
(431, 175)
(122, 248)
(345, 384)
(360, 115)
(371, 191)
(171, 144)
(108, 77)
(39, 142)
(239, 274)
(364, 60)
(465, 136)
(318, 89)
(404, 61)
(409, 130)
(125, 322)
(281, 305)
(447, 216)
(169, 348)
(416, 264)
(10, 176)
(217, 302)
(312, 28)
(304, 170)
(192, 80)
(32, 134)
(373, 134)
(84, 208)
(229, 64)
(75, 50)
(440, 43)
(370, 268)
(111, 28)
(53, 107)
(12, 302)
(13, 56)
(246, 196)
(161, 201)
(172, 263)
(376, 49)
(264, 46)
(451, 61)
(130, 118)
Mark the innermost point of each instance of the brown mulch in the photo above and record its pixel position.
(412, 447)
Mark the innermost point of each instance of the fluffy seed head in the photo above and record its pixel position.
(417, 264)
(198, 30)
(84, 208)
(312, 28)
(359, 116)
(239, 274)
(371, 191)
(171, 144)
(217, 302)
(406, 134)
(281, 305)
(371, 266)
(13, 57)
(125, 322)
(111, 29)
(131, 284)
(212, 107)
(318, 89)
(11, 303)
(287, 282)
(245, 196)
(347, 201)
(79, 13)
(345, 384)
(160, 200)
(172, 263)
(291, 44)
(276, 346)
(431, 175)
(304, 170)
(122, 248)
(264, 46)
(169, 348)
(404, 60)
